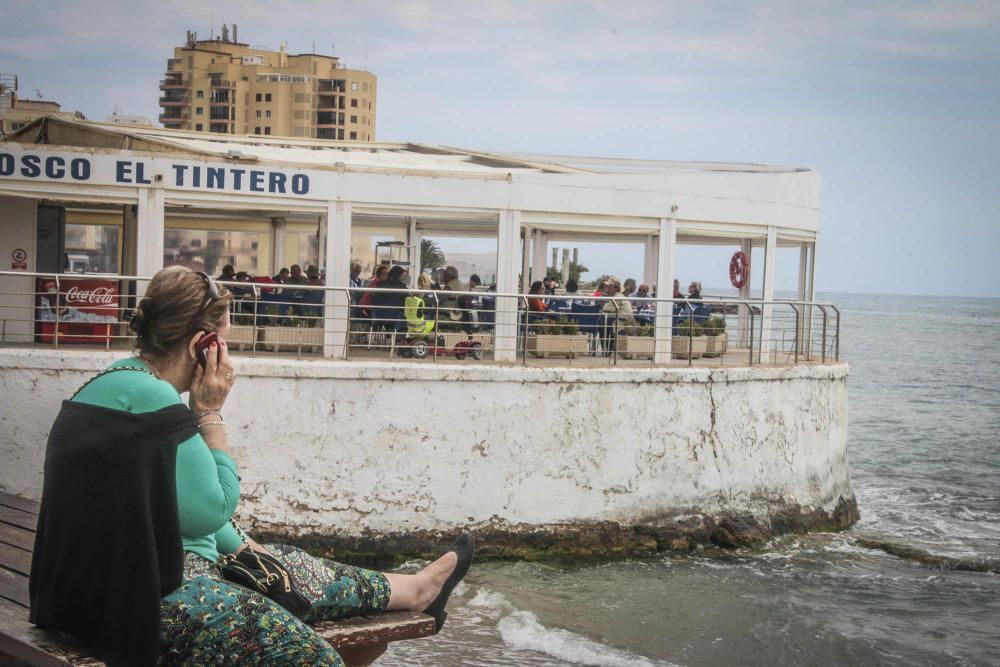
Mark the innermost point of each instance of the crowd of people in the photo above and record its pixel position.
(629, 301)
(382, 298)
(294, 276)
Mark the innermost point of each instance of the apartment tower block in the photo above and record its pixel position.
(224, 86)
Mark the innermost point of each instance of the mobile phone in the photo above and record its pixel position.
(201, 347)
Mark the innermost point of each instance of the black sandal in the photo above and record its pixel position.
(464, 547)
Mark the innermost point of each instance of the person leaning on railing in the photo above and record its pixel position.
(138, 497)
(615, 308)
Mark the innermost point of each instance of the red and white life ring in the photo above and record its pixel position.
(739, 269)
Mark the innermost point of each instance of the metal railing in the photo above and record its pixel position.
(50, 310)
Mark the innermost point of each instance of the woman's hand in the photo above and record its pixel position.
(212, 383)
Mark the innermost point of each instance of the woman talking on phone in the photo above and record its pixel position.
(137, 504)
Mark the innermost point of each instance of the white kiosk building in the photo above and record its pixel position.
(713, 442)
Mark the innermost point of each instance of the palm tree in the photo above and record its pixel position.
(431, 256)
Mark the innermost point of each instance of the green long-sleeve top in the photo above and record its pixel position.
(208, 486)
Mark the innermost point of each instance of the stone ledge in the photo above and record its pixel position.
(94, 360)
(604, 540)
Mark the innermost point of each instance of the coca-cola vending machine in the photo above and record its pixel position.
(81, 310)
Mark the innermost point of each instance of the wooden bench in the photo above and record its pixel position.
(359, 640)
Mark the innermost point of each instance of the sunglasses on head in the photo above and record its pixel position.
(211, 295)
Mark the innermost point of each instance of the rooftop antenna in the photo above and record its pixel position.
(38, 94)
(314, 47)
(366, 53)
(211, 34)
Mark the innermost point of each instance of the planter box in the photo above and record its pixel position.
(551, 345)
(679, 347)
(452, 338)
(715, 345)
(276, 338)
(240, 336)
(636, 347)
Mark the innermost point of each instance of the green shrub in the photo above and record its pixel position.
(632, 328)
(559, 326)
(689, 328)
(715, 326)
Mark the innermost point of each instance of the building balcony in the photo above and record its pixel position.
(215, 121)
(173, 84)
(220, 103)
(332, 86)
(223, 84)
(174, 101)
(174, 117)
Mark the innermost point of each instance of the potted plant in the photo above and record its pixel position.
(635, 340)
(555, 337)
(241, 330)
(688, 341)
(291, 331)
(715, 336)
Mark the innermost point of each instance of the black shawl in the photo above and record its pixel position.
(108, 542)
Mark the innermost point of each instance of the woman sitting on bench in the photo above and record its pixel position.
(137, 503)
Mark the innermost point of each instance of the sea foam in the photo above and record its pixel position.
(522, 630)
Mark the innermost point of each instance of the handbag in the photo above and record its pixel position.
(264, 574)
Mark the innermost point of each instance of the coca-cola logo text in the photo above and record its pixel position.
(98, 296)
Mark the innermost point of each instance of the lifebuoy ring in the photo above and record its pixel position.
(739, 269)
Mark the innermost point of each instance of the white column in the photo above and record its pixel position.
(811, 289)
(526, 244)
(743, 320)
(802, 295)
(770, 255)
(149, 235)
(413, 241)
(538, 256)
(338, 255)
(665, 269)
(649, 261)
(803, 271)
(807, 292)
(505, 337)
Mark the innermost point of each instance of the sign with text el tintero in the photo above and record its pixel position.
(16, 162)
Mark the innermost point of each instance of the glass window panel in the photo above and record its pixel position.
(301, 248)
(91, 248)
(209, 251)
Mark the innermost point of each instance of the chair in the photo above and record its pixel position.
(487, 313)
(590, 320)
(385, 322)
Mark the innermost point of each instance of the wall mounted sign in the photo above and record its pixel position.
(18, 259)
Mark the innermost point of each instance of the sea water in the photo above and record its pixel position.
(924, 443)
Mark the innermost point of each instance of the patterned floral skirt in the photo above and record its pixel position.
(209, 621)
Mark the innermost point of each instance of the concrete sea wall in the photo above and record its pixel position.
(362, 457)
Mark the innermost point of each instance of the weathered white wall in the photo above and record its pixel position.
(348, 446)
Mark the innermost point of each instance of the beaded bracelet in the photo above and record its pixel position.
(205, 413)
(218, 423)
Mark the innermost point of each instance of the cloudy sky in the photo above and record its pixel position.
(897, 104)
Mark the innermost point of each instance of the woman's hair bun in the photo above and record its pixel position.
(141, 316)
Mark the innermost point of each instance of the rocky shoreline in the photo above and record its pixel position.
(604, 540)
